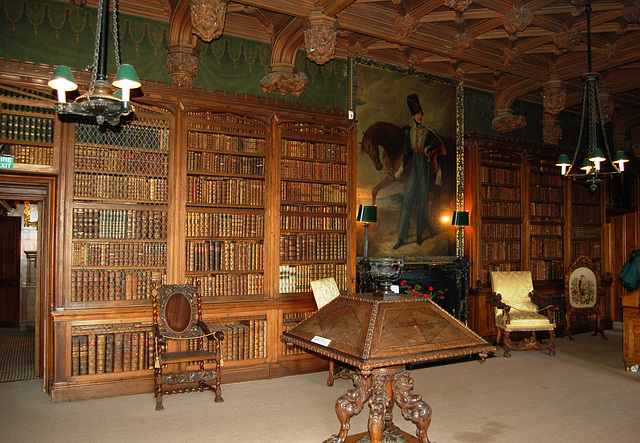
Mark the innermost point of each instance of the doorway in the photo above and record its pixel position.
(25, 339)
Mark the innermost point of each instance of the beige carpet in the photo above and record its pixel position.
(583, 394)
(17, 354)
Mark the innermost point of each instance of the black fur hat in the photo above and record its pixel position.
(413, 102)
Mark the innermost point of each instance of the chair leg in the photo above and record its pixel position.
(506, 344)
(331, 375)
(552, 342)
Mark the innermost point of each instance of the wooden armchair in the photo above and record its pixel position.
(582, 294)
(518, 308)
(182, 340)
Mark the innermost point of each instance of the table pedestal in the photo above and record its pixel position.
(382, 387)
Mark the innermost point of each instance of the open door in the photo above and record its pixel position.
(9, 272)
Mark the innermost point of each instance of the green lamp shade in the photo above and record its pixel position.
(586, 165)
(621, 156)
(563, 160)
(62, 79)
(367, 214)
(460, 218)
(597, 155)
(126, 78)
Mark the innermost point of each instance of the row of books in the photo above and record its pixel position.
(547, 248)
(591, 249)
(315, 192)
(121, 161)
(209, 224)
(290, 320)
(500, 230)
(547, 270)
(119, 224)
(550, 209)
(546, 177)
(583, 195)
(29, 154)
(317, 208)
(224, 142)
(546, 229)
(113, 187)
(546, 194)
(145, 133)
(494, 192)
(501, 209)
(297, 278)
(578, 232)
(102, 285)
(220, 255)
(312, 170)
(225, 191)
(26, 128)
(104, 352)
(499, 176)
(136, 254)
(289, 222)
(313, 247)
(501, 250)
(18, 108)
(586, 214)
(217, 285)
(486, 271)
(314, 150)
(224, 163)
(242, 341)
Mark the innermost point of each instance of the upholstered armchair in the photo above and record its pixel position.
(520, 309)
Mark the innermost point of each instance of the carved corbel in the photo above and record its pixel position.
(207, 18)
(463, 42)
(504, 121)
(182, 63)
(284, 80)
(608, 53)
(405, 26)
(551, 130)
(320, 37)
(457, 5)
(513, 56)
(554, 97)
(631, 13)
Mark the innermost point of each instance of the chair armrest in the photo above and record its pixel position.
(495, 300)
(543, 302)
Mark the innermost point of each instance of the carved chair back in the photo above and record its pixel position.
(177, 310)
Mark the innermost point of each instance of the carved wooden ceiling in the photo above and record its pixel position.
(514, 49)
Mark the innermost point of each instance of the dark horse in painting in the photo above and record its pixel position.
(392, 140)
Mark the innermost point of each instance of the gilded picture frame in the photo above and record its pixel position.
(379, 104)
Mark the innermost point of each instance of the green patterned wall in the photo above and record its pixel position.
(56, 32)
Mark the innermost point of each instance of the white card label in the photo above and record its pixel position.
(321, 341)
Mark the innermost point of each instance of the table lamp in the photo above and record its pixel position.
(366, 215)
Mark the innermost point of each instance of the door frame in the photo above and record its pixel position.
(41, 189)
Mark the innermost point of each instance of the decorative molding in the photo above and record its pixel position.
(208, 17)
(504, 121)
(631, 13)
(566, 40)
(356, 49)
(283, 80)
(405, 26)
(517, 20)
(513, 56)
(320, 38)
(608, 53)
(463, 42)
(182, 63)
(458, 5)
(554, 97)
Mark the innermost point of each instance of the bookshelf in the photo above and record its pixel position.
(27, 130)
(225, 204)
(313, 206)
(546, 215)
(524, 216)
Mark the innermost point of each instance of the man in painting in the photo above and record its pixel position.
(422, 148)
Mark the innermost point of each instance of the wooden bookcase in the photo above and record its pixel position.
(524, 216)
(27, 130)
(217, 196)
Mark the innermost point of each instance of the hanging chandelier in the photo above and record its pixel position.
(592, 165)
(102, 101)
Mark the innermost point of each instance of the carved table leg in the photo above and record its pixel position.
(377, 406)
(411, 405)
(351, 404)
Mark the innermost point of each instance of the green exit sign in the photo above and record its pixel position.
(6, 162)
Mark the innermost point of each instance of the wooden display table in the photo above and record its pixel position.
(631, 331)
(378, 336)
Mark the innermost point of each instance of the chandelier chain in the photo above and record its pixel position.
(116, 33)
